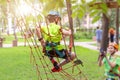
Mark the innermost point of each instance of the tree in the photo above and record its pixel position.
(117, 25)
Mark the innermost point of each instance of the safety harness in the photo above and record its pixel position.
(54, 52)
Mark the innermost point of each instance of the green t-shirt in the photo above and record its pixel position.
(107, 67)
(52, 33)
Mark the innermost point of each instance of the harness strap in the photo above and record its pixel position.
(61, 54)
(52, 44)
(56, 53)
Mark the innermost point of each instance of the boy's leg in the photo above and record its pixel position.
(67, 60)
(55, 64)
(56, 68)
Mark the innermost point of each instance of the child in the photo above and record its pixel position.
(111, 63)
(50, 41)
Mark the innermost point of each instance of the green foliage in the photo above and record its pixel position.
(58, 4)
(112, 18)
(93, 13)
(96, 18)
(95, 10)
(79, 10)
(73, 1)
(83, 1)
(83, 34)
(104, 8)
(118, 2)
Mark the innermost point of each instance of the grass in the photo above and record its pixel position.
(15, 64)
(83, 40)
(91, 68)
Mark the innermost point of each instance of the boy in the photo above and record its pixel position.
(50, 41)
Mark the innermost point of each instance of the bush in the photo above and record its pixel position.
(83, 35)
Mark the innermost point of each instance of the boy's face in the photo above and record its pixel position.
(111, 49)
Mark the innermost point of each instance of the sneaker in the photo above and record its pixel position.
(56, 70)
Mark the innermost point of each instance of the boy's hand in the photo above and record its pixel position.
(43, 49)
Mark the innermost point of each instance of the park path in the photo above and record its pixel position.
(89, 45)
(83, 44)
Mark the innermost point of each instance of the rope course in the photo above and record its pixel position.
(42, 64)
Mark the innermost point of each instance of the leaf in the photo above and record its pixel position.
(95, 19)
(80, 15)
(93, 13)
(118, 2)
(74, 7)
(104, 8)
(73, 1)
(73, 15)
(91, 2)
(82, 8)
(93, 7)
(83, 1)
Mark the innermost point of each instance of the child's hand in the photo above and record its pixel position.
(43, 49)
(102, 53)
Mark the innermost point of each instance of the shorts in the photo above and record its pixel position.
(58, 53)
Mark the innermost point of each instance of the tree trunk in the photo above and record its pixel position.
(105, 28)
(15, 41)
(117, 25)
(68, 3)
(14, 28)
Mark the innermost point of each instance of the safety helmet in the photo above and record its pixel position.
(55, 13)
(115, 45)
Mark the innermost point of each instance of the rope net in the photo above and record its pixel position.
(42, 64)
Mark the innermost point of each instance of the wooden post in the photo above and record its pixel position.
(1, 42)
(14, 43)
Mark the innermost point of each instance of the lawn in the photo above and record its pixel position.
(15, 64)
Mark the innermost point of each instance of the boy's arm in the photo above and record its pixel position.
(40, 38)
(66, 32)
